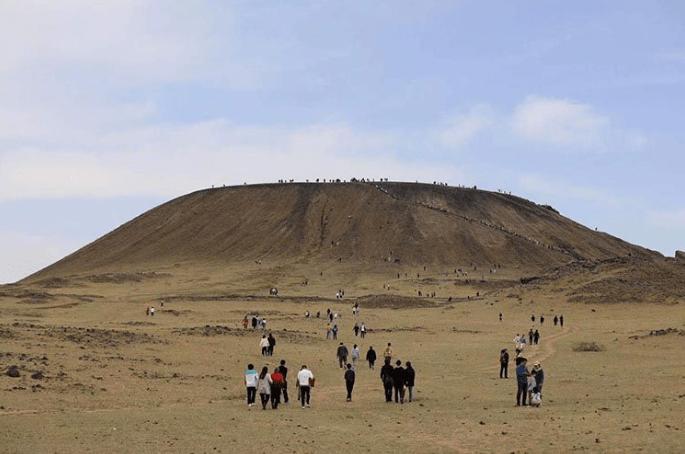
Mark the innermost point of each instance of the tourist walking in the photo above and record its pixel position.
(251, 381)
(371, 357)
(305, 381)
(264, 345)
(272, 344)
(504, 363)
(341, 354)
(387, 354)
(536, 337)
(355, 355)
(556, 320)
(398, 382)
(277, 381)
(409, 379)
(561, 320)
(284, 389)
(386, 378)
(349, 381)
(264, 386)
(362, 331)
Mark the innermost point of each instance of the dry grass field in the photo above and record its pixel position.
(118, 381)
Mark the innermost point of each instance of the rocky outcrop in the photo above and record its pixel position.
(680, 255)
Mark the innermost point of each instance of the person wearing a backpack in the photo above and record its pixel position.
(504, 363)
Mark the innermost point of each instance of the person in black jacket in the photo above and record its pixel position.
(284, 389)
(342, 355)
(371, 357)
(504, 363)
(386, 378)
(398, 382)
(349, 381)
(409, 377)
(272, 344)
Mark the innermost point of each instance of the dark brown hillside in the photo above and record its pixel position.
(405, 223)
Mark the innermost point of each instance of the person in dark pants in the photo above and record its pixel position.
(542, 319)
(276, 388)
(530, 337)
(305, 380)
(342, 354)
(561, 321)
(504, 363)
(284, 389)
(521, 381)
(556, 320)
(409, 379)
(349, 381)
(272, 344)
(386, 378)
(536, 337)
(371, 357)
(251, 381)
(398, 382)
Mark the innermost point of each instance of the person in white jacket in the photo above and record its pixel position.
(305, 381)
(264, 344)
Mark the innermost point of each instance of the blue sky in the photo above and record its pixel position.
(109, 109)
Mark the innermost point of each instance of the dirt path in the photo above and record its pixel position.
(540, 352)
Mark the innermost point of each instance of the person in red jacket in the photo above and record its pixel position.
(277, 382)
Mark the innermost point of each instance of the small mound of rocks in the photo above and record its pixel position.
(13, 371)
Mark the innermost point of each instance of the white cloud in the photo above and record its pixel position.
(559, 122)
(461, 129)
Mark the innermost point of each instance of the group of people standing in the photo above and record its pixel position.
(529, 383)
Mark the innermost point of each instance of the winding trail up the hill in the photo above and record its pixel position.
(484, 223)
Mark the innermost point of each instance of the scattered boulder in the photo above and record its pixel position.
(13, 371)
(680, 255)
(37, 375)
